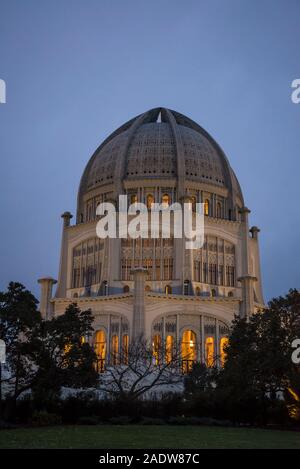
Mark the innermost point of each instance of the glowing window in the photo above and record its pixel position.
(209, 351)
(133, 199)
(100, 349)
(169, 348)
(125, 348)
(168, 289)
(206, 207)
(150, 201)
(115, 349)
(188, 350)
(156, 348)
(165, 199)
(223, 345)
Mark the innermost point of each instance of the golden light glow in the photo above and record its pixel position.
(188, 350)
(223, 345)
(133, 199)
(206, 207)
(209, 351)
(165, 199)
(125, 347)
(100, 349)
(156, 348)
(115, 349)
(169, 348)
(150, 201)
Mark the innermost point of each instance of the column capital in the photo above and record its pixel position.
(66, 216)
(254, 230)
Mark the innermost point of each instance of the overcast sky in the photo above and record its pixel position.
(76, 70)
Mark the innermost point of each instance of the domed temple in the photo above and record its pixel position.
(155, 286)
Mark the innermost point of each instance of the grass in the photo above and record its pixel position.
(138, 436)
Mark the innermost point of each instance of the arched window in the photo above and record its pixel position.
(198, 291)
(165, 199)
(168, 289)
(219, 210)
(169, 348)
(100, 349)
(125, 348)
(223, 345)
(150, 201)
(126, 289)
(133, 199)
(157, 348)
(209, 351)
(213, 292)
(75, 295)
(147, 288)
(230, 293)
(206, 207)
(115, 349)
(188, 350)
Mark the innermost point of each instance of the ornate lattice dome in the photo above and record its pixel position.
(159, 144)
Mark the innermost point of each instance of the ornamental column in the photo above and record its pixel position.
(46, 307)
(138, 325)
(247, 279)
(63, 264)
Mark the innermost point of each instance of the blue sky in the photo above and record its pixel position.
(76, 70)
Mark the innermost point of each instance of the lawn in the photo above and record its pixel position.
(141, 436)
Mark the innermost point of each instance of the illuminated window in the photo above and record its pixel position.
(194, 202)
(133, 199)
(188, 350)
(125, 348)
(82, 340)
(206, 207)
(115, 349)
(165, 199)
(223, 345)
(156, 348)
(168, 289)
(169, 348)
(209, 351)
(150, 201)
(100, 349)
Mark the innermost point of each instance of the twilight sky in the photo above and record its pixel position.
(76, 70)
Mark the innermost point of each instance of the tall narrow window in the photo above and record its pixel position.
(169, 348)
(125, 348)
(150, 201)
(133, 199)
(219, 210)
(157, 348)
(223, 345)
(194, 203)
(100, 349)
(209, 351)
(115, 349)
(168, 289)
(165, 199)
(188, 350)
(206, 207)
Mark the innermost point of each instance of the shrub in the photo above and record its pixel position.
(43, 418)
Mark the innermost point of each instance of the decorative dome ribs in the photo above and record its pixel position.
(159, 144)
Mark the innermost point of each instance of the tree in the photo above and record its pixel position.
(138, 371)
(19, 317)
(259, 368)
(42, 356)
